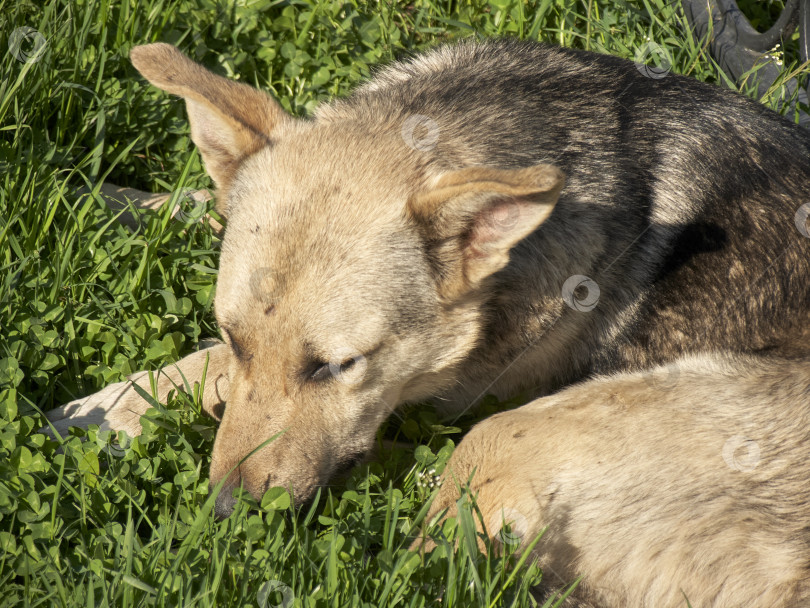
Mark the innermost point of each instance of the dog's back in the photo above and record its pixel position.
(685, 205)
(680, 205)
(375, 233)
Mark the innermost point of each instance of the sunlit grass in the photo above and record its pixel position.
(85, 301)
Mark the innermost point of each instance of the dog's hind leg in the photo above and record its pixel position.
(499, 472)
(685, 481)
(120, 406)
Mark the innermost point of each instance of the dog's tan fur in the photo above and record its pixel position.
(699, 490)
(261, 273)
(359, 272)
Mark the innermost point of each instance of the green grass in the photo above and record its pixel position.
(85, 301)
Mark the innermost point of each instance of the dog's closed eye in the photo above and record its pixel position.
(320, 371)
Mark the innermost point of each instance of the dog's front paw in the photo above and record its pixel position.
(116, 407)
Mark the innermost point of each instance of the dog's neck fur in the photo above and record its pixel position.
(682, 225)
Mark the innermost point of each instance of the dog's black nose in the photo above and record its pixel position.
(225, 502)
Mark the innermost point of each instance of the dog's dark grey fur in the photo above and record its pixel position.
(679, 203)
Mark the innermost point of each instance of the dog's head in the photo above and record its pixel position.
(351, 277)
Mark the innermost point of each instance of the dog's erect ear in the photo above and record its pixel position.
(229, 120)
(471, 218)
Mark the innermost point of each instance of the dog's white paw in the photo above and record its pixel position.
(116, 407)
(119, 406)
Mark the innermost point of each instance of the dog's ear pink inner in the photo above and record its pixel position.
(473, 217)
(229, 120)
